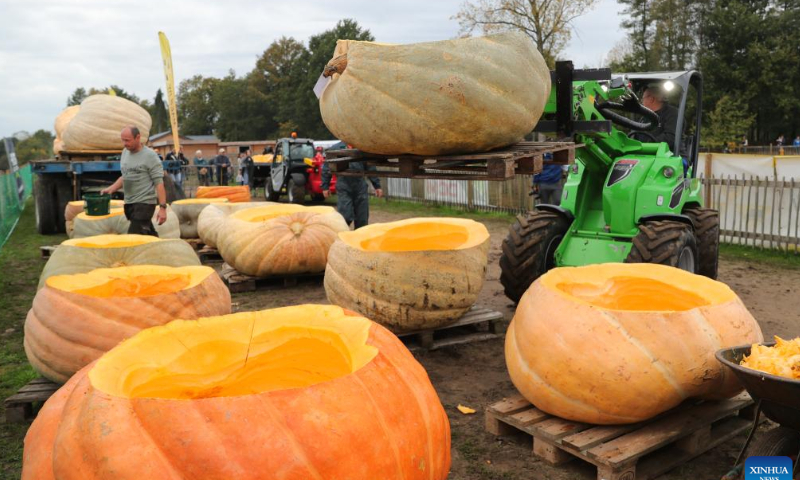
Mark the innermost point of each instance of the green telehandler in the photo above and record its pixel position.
(627, 197)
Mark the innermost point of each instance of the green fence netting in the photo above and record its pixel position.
(10, 203)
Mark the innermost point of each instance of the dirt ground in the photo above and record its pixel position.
(475, 375)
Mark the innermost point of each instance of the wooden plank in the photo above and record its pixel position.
(550, 453)
(662, 432)
(476, 314)
(592, 437)
(509, 405)
(526, 418)
(462, 339)
(558, 428)
(38, 387)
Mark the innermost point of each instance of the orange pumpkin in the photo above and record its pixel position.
(296, 393)
(621, 343)
(233, 194)
(76, 318)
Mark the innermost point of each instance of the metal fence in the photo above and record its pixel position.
(754, 211)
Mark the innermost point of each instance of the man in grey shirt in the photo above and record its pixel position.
(143, 182)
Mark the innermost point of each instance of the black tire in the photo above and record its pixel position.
(665, 242)
(297, 193)
(51, 197)
(270, 193)
(778, 442)
(706, 231)
(528, 250)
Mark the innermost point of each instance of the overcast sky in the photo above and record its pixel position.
(48, 48)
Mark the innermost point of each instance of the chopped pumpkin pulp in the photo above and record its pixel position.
(131, 281)
(782, 359)
(111, 241)
(239, 354)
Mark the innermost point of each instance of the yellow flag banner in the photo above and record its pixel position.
(166, 55)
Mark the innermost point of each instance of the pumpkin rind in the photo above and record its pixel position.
(188, 211)
(435, 98)
(101, 118)
(408, 290)
(596, 362)
(211, 219)
(76, 207)
(386, 410)
(115, 223)
(66, 330)
(87, 254)
(292, 243)
(233, 194)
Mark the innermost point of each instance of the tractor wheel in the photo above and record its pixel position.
(297, 193)
(529, 249)
(706, 230)
(778, 442)
(270, 193)
(665, 242)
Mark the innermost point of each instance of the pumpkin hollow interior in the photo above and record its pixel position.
(111, 241)
(269, 212)
(417, 234)
(132, 281)
(638, 287)
(194, 201)
(238, 354)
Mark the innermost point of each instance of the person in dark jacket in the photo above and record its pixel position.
(223, 163)
(547, 184)
(656, 100)
(352, 199)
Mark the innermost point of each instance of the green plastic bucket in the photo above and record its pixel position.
(97, 204)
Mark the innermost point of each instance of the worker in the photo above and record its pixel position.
(656, 100)
(319, 157)
(352, 199)
(143, 182)
(547, 185)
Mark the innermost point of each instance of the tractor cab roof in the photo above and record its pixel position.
(680, 78)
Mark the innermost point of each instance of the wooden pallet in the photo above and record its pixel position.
(523, 158)
(209, 255)
(20, 406)
(239, 282)
(47, 251)
(626, 452)
(195, 243)
(478, 324)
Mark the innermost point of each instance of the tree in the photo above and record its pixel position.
(727, 123)
(243, 112)
(159, 115)
(35, 147)
(547, 22)
(77, 97)
(196, 112)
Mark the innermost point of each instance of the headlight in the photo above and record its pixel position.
(669, 172)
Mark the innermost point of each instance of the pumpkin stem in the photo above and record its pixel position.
(336, 65)
(297, 228)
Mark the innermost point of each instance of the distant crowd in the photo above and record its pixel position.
(215, 170)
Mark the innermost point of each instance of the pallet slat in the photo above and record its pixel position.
(239, 282)
(19, 407)
(447, 335)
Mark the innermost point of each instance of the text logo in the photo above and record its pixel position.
(768, 468)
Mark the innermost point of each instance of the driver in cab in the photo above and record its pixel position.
(655, 99)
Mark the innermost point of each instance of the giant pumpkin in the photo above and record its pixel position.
(77, 206)
(188, 210)
(76, 318)
(434, 98)
(408, 275)
(211, 219)
(279, 239)
(101, 118)
(296, 393)
(621, 343)
(115, 222)
(233, 194)
(62, 120)
(81, 255)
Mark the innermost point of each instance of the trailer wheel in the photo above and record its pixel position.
(51, 197)
(665, 242)
(706, 230)
(778, 442)
(528, 250)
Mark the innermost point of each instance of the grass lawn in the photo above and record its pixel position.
(20, 265)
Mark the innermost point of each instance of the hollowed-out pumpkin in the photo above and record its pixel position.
(279, 239)
(411, 274)
(76, 318)
(296, 393)
(81, 255)
(621, 343)
(116, 223)
(99, 121)
(433, 98)
(212, 218)
(76, 207)
(188, 210)
(233, 194)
